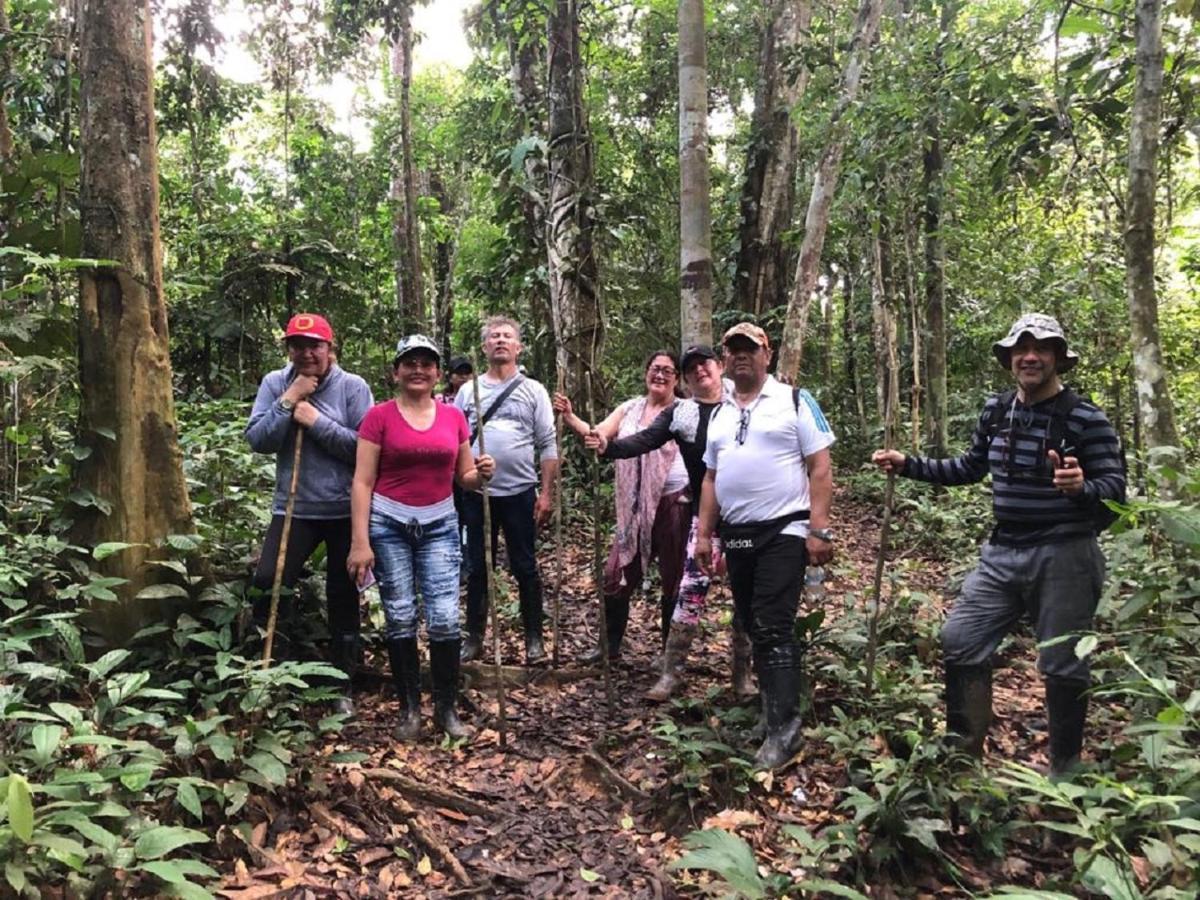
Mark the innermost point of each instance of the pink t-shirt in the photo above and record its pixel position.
(415, 467)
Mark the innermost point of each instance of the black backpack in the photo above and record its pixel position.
(1061, 436)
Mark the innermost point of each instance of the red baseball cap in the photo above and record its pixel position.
(310, 326)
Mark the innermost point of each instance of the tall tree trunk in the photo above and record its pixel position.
(768, 189)
(695, 216)
(791, 347)
(914, 314)
(131, 483)
(933, 188)
(406, 235)
(887, 363)
(445, 253)
(850, 350)
(574, 300)
(6, 138)
(1150, 375)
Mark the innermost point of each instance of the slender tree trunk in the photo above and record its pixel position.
(406, 235)
(695, 217)
(131, 484)
(887, 363)
(1150, 374)
(768, 188)
(915, 326)
(6, 138)
(445, 253)
(791, 347)
(850, 350)
(933, 188)
(575, 302)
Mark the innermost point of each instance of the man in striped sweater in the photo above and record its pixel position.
(1054, 459)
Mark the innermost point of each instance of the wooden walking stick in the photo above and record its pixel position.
(558, 533)
(598, 563)
(491, 578)
(885, 533)
(273, 618)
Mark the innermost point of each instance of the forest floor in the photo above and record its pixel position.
(581, 802)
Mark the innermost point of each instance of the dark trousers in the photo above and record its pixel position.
(306, 535)
(514, 516)
(766, 585)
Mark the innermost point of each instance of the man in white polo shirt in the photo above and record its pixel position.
(770, 483)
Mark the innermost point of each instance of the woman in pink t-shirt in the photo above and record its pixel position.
(411, 450)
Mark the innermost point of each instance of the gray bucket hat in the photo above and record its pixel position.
(1042, 328)
(413, 342)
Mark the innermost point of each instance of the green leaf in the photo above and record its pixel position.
(268, 767)
(349, 756)
(1086, 645)
(1106, 878)
(176, 871)
(105, 664)
(15, 875)
(189, 799)
(588, 875)
(162, 592)
(20, 807)
(1076, 25)
(108, 548)
(728, 856)
(1185, 824)
(162, 839)
(45, 741)
(184, 542)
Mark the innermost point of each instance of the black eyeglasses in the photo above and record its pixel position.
(743, 427)
(665, 371)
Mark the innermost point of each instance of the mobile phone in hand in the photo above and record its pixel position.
(367, 581)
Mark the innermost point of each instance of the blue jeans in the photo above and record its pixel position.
(417, 558)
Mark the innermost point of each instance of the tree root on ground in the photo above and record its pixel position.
(430, 841)
(605, 770)
(436, 796)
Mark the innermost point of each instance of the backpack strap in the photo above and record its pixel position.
(1059, 435)
(995, 420)
(496, 404)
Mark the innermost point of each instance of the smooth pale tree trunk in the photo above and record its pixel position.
(445, 254)
(915, 326)
(933, 189)
(406, 234)
(127, 413)
(574, 299)
(816, 221)
(1149, 372)
(768, 187)
(695, 216)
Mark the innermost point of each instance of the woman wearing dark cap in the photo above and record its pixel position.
(458, 372)
(411, 451)
(651, 499)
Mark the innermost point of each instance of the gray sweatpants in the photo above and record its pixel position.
(1057, 585)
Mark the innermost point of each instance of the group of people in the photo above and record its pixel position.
(734, 475)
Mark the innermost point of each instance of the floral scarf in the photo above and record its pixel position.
(639, 487)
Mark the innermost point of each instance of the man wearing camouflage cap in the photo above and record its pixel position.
(1054, 459)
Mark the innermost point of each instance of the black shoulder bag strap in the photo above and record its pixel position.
(496, 404)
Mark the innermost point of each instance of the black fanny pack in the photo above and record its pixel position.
(751, 536)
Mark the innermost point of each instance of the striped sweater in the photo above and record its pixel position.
(1028, 508)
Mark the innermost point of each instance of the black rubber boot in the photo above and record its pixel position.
(616, 617)
(743, 682)
(1066, 710)
(968, 707)
(345, 652)
(443, 666)
(406, 675)
(779, 676)
(472, 647)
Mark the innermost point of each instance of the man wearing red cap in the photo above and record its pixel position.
(312, 392)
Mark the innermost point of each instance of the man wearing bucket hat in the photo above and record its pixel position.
(312, 393)
(770, 482)
(1054, 459)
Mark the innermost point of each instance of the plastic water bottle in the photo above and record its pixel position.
(814, 584)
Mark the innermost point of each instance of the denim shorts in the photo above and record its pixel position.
(412, 559)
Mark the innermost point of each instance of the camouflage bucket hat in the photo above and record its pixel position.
(1042, 328)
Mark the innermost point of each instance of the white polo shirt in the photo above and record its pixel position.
(764, 477)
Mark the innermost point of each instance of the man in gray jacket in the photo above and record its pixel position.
(312, 392)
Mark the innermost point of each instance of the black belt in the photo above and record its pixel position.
(749, 536)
